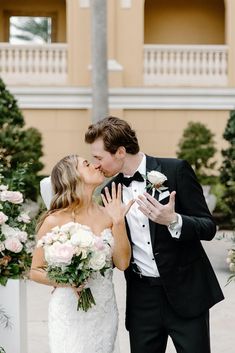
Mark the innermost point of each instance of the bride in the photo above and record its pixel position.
(70, 331)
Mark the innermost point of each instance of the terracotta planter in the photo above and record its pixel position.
(13, 300)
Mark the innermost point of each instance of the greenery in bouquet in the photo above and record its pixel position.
(16, 228)
(73, 255)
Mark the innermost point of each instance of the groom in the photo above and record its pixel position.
(170, 282)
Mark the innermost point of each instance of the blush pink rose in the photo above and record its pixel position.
(13, 244)
(12, 196)
(99, 244)
(59, 254)
(3, 218)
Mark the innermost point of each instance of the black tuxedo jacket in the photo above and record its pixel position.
(188, 279)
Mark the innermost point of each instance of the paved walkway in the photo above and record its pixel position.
(222, 315)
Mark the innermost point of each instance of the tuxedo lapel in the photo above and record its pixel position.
(152, 164)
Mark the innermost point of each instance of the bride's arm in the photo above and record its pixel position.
(37, 271)
(122, 248)
(117, 211)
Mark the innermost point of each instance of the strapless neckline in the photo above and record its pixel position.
(84, 226)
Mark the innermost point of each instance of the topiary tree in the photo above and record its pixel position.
(20, 148)
(197, 146)
(227, 171)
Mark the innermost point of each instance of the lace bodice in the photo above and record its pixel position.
(94, 331)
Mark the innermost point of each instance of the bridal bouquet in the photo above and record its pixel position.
(72, 254)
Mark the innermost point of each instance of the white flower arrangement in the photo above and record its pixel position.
(156, 181)
(16, 235)
(230, 260)
(72, 254)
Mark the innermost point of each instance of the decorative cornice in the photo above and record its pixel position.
(127, 98)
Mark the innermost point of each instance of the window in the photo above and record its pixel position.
(25, 29)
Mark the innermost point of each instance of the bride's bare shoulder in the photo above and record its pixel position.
(51, 221)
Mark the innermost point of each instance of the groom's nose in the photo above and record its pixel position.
(97, 165)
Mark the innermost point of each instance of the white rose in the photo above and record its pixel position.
(56, 229)
(69, 227)
(48, 238)
(63, 238)
(13, 244)
(82, 238)
(98, 261)
(12, 196)
(156, 178)
(24, 217)
(9, 231)
(22, 236)
(55, 236)
(3, 187)
(3, 218)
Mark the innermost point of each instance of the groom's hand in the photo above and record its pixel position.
(154, 210)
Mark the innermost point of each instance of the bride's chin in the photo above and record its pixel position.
(100, 181)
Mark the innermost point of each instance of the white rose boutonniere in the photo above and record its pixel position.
(156, 181)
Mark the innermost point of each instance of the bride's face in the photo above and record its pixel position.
(89, 173)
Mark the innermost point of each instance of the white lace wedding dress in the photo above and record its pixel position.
(94, 331)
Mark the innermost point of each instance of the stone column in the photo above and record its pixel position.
(99, 59)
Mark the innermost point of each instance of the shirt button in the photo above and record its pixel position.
(143, 225)
(148, 242)
(153, 259)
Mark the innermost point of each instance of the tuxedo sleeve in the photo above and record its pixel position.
(197, 220)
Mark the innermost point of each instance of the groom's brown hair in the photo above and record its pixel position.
(114, 132)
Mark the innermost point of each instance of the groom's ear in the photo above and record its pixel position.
(121, 152)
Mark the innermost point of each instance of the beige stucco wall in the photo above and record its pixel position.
(34, 8)
(159, 132)
(184, 22)
(62, 131)
(230, 40)
(79, 44)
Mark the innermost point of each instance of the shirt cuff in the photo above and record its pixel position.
(176, 231)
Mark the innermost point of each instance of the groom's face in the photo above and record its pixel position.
(110, 164)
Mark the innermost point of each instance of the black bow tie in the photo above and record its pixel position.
(126, 181)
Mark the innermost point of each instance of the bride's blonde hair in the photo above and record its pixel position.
(67, 187)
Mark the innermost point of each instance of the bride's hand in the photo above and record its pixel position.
(113, 204)
(79, 289)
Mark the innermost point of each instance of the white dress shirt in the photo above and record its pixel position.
(139, 227)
